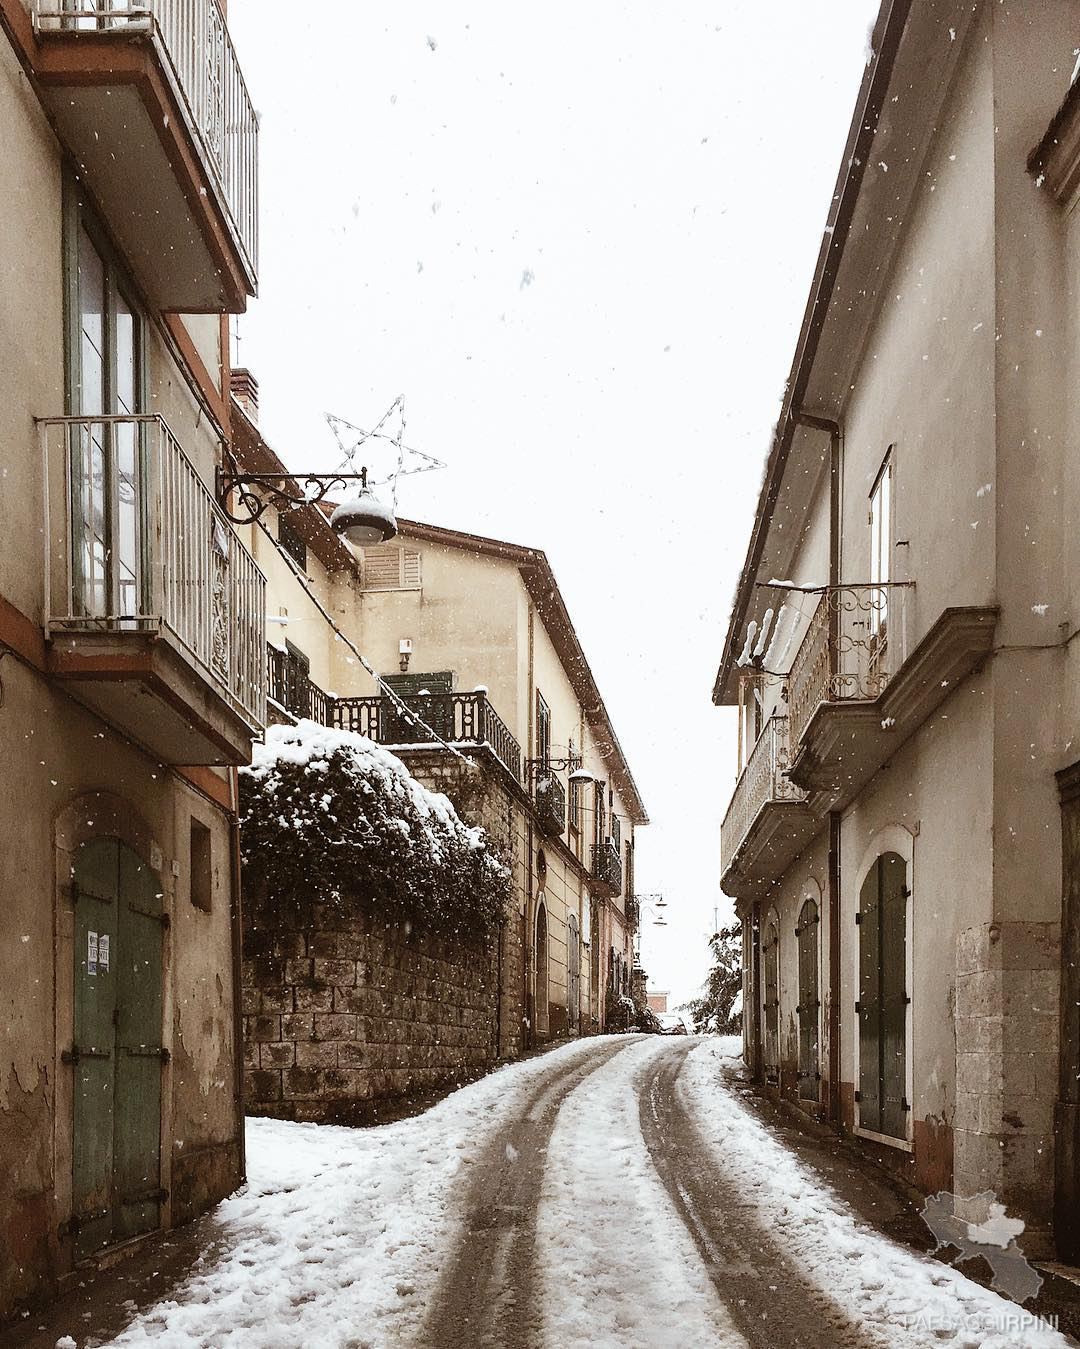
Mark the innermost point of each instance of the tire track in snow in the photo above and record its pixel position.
(619, 1269)
(485, 1296)
(771, 1301)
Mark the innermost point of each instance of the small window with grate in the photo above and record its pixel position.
(290, 540)
(388, 566)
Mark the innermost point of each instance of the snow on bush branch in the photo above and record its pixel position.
(329, 815)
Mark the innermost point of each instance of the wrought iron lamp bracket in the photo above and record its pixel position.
(568, 764)
(283, 491)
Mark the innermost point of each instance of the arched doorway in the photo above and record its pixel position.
(807, 935)
(573, 972)
(770, 957)
(541, 969)
(883, 997)
(116, 1055)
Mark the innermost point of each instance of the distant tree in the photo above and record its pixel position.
(719, 1009)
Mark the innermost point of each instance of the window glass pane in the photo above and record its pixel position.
(91, 393)
(125, 357)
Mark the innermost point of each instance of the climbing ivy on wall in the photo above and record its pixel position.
(330, 816)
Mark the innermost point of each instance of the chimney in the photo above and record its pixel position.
(245, 389)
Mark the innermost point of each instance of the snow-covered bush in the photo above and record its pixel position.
(329, 815)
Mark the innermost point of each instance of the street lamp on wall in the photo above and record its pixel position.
(361, 519)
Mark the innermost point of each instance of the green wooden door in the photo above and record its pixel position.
(883, 998)
(770, 955)
(807, 934)
(117, 1053)
(893, 889)
(92, 1056)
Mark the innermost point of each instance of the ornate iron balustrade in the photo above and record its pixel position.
(550, 805)
(764, 779)
(607, 865)
(458, 718)
(195, 39)
(856, 641)
(140, 545)
(290, 686)
(633, 910)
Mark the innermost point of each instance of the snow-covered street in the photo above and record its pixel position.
(613, 1192)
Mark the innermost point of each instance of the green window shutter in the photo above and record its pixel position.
(870, 1001)
(893, 888)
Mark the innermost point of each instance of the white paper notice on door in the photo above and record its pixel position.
(103, 953)
(91, 952)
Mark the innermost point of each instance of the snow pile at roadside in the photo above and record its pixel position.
(619, 1267)
(338, 1238)
(904, 1298)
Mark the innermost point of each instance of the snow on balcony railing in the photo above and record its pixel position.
(144, 547)
(854, 644)
(764, 779)
(200, 54)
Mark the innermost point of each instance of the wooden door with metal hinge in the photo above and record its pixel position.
(807, 934)
(116, 1055)
(770, 955)
(883, 998)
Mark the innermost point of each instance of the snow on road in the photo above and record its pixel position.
(606, 1227)
(338, 1237)
(341, 1235)
(906, 1298)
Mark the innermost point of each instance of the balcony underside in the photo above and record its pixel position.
(113, 105)
(846, 743)
(779, 833)
(143, 686)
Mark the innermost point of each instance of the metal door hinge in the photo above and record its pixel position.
(905, 1104)
(858, 1095)
(74, 1225)
(76, 1053)
(147, 1052)
(858, 1008)
(155, 1196)
(162, 918)
(858, 918)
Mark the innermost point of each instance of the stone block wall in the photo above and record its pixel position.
(343, 1010)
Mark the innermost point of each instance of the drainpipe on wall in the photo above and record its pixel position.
(836, 449)
(237, 970)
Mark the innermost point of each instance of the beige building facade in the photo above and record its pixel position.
(473, 634)
(902, 653)
(131, 630)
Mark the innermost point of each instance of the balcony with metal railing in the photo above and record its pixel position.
(767, 822)
(155, 86)
(859, 685)
(606, 868)
(465, 720)
(150, 592)
(550, 797)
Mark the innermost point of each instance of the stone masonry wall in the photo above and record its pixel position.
(340, 1016)
(343, 1011)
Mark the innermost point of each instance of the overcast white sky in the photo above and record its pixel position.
(579, 240)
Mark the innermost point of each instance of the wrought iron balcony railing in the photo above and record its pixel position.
(550, 805)
(607, 865)
(195, 39)
(458, 718)
(135, 542)
(855, 643)
(764, 779)
(289, 685)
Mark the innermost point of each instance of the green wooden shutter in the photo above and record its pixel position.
(893, 889)
(92, 1054)
(870, 1001)
(808, 933)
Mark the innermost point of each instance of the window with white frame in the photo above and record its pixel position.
(881, 497)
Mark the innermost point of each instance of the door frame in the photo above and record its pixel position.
(92, 816)
(894, 838)
(811, 894)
